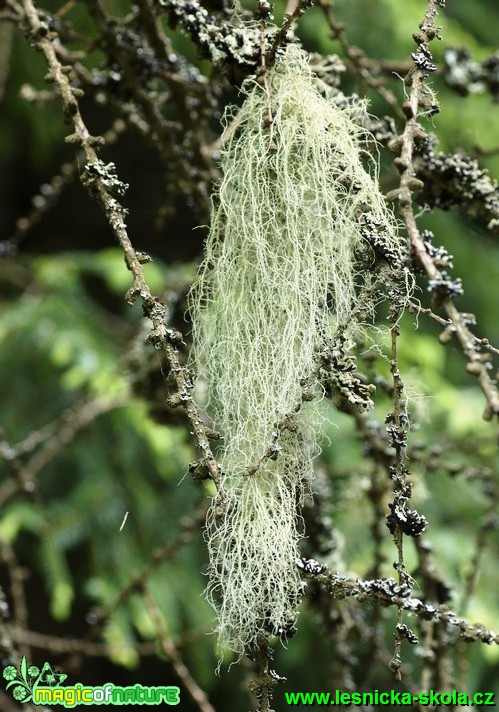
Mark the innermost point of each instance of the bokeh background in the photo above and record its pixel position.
(87, 436)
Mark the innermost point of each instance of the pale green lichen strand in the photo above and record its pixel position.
(279, 275)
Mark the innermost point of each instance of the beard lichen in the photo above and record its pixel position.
(279, 276)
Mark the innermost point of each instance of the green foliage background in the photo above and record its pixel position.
(68, 340)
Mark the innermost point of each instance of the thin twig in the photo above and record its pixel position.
(386, 592)
(18, 591)
(172, 653)
(102, 183)
(70, 646)
(358, 60)
(412, 132)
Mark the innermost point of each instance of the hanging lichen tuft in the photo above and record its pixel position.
(279, 276)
